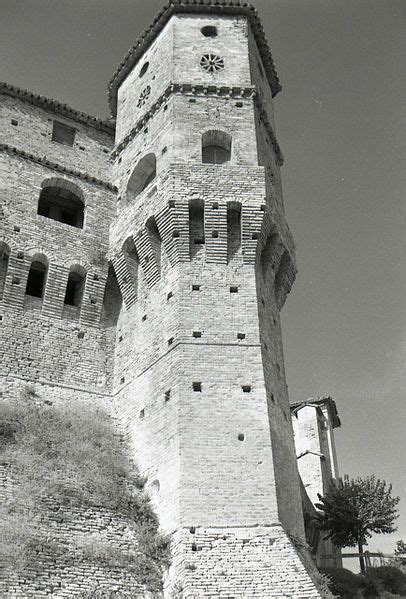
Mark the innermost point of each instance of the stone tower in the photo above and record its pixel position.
(204, 260)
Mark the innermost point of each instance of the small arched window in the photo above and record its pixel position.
(233, 230)
(143, 174)
(62, 205)
(75, 288)
(216, 147)
(4, 260)
(37, 278)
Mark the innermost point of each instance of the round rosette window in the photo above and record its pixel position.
(211, 63)
(144, 96)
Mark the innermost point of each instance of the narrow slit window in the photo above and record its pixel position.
(233, 231)
(4, 260)
(196, 227)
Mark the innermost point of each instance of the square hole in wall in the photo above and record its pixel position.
(16, 280)
(20, 255)
(176, 234)
(122, 380)
(239, 104)
(263, 207)
(192, 100)
(197, 386)
(63, 134)
(167, 395)
(170, 294)
(95, 277)
(17, 229)
(215, 234)
(199, 241)
(197, 334)
(171, 340)
(255, 235)
(246, 388)
(196, 287)
(241, 336)
(171, 203)
(93, 300)
(142, 413)
(144, 318)
(14, 122)
(215, 205)
(233, 289)
(241, 436)
(81, 335)
(1, 317)
(120, 339)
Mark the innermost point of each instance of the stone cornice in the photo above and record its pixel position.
(57, 107)
(56, 166)
(202, 90)
(226, 7)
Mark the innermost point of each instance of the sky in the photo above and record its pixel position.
(340, 120)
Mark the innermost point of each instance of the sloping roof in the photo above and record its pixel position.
(57, 107)
(318, 402)
(225, 7)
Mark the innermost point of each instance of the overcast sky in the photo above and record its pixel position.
(340, 121)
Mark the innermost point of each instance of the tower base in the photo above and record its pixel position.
(245, 562)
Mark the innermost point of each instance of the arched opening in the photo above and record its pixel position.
(75, 287)
(62, 205)
(4, 260)
(233, 230)
(196, 227)
(143, 174)
(209, 31)
(156, 241)
(132, 261)
(216, 147)
(112, 301)
(36, 280)
(267, 255)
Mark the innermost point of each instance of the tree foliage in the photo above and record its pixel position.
(353, 509)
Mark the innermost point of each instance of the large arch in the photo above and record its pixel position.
(143, 174)
(63, 201)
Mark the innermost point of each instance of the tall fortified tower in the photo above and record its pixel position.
(204, 260)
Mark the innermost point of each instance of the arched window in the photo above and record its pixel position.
(112, 301)
(37, 278)
(132, 260)
(143, 174)
(4, 259)
(233, 230)
(216, 147)
(156, 241)
(75, 287)
(61, 205)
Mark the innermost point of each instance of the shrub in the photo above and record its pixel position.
(389, 579)
(68, 457)
(344, 583)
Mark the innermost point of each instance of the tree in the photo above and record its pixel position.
(400, 553)
(353, 509)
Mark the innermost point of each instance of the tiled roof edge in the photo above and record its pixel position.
(194, 6)
(57, 107)
(319, 401)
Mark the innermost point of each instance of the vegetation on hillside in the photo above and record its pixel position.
(353, 509)
(384, 582)
(63, 458)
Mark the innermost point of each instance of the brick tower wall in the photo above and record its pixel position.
(199, 375)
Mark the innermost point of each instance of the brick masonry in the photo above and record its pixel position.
(178, 329)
